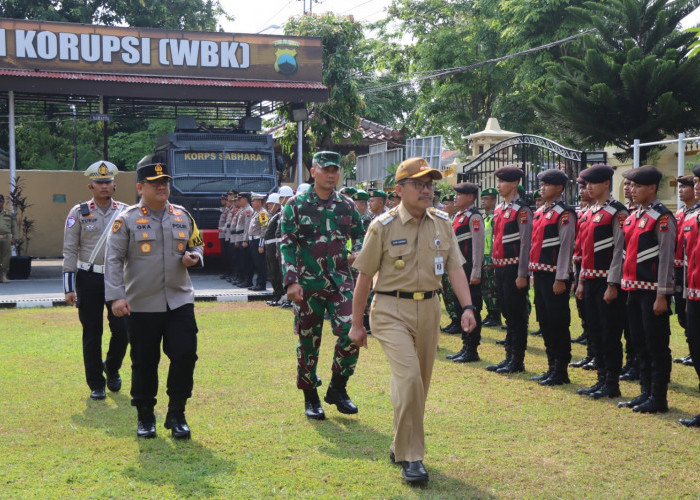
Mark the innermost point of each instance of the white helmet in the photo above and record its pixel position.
(286, 191)
(274, 198)
(303, 188)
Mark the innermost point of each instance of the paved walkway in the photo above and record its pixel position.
(44, 288)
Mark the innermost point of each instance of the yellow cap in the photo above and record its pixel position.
(416, 167)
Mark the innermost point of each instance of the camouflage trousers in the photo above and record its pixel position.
(488, 288)
(308, 324)
(448, 296)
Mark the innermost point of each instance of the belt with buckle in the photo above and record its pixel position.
(86, 266)
(409, 295)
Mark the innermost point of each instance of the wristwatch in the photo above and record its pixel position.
(470, 306)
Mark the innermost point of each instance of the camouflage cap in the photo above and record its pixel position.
(326, 159)
(102, 171)
(360, 195)
(490, 192)
(415, 167)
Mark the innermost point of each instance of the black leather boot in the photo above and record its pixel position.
(550, 370)
(690, 422)
(611, 388)
(643, 396)
(312, 405)
(470, 355)
(337, 395)
(516, 364)
(457, 354)
(559, 376)
(583, 361)
(496, 367)
(146, 427)
(656, 403)
(175, 419)
(453, 327)
(595, 387)
(114, 381)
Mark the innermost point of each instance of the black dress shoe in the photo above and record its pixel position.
(146, 429)
(414, 472)
(338, 396)
(98, 394)
(114, 381)
(178, 426)
(314, 411)
(690, 422)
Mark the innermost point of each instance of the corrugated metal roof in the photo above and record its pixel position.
(159, 80)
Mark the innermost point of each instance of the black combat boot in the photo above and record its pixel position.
(690, 422)
(516, 364)
(611, 388)
(643, 396)
(591, 365)
(454, 327)
(595, 387)
(338, 396)
(470, 355)
(550, 369)
(559, 376)
(146, 427)
(457, 354)
(175, 419)
(312, 405)
(496, 367)
(656, 402)
(583, 361)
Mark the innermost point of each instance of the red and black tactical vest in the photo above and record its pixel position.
(691, 256)
(506, 233)
(582, 217)
(546, 243)
(463, 231)
(597, 241)
(678, 257)
(640, 270)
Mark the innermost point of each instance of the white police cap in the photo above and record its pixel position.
(101, 171)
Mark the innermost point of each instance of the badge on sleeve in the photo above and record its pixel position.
(523, 216)
(621, 218)
(663, 223)
(117, 225)
(70, 221)
(564, 218)
(476, 225)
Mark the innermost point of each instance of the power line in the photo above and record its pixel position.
(275, 14)
(427, 75)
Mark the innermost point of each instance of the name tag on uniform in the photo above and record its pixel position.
(399, 242)
(439, 266)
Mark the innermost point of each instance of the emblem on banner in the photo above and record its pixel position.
(286, 57)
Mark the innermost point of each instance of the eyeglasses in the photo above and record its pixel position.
(420, 186)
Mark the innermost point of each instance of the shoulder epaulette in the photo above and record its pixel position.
(387, 217)
(439, 213)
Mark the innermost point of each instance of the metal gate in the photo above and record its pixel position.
(533, 154)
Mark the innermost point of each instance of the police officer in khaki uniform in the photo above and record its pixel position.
(85, 233)
(149, 249)
(256, 242)
(9, 234)
(406, 251)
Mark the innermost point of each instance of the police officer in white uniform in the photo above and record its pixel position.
(149, 249)
(86, 230)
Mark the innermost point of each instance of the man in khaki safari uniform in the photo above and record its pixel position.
(409, 248)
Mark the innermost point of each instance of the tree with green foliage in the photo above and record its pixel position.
(633, 79)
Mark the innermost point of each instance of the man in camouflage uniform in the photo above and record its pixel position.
(9, 233)
(256, 242)
(315, 228)
(360, 197)
(489, 198)
(448, 295)
(377, 202)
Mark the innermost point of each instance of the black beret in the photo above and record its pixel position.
(553, 176)
(467, 188)
(645, 175)
(597, 173)
(509, 173)
(686, 180)
(696, 170)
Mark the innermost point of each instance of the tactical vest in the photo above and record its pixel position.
(488, 234)
(463, 232)
(678, 257)
(689, 235)
(640, 270)
(546, 243)
(597, 241)
(582, 217)
(506, 234)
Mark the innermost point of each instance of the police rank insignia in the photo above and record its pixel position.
(103, 170)
(286, 57)
(598, 217)
(117, 225)
(643, 222)
(506, 215)
(142, 221)
(549, 215)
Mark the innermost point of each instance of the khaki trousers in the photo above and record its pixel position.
(408, 331)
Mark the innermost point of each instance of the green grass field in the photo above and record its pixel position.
(487, 435)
